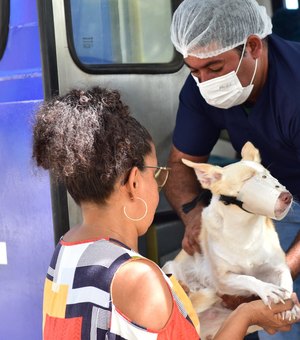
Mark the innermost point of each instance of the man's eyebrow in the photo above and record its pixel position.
(209, 63)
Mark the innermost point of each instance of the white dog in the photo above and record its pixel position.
(241, 254)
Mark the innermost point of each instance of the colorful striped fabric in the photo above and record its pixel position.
(77, 300)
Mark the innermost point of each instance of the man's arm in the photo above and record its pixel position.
(182, 187)
(293, 257)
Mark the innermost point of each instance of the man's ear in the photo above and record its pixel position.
(255, 46)
(207, 174)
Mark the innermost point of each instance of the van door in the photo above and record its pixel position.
(26, 231)
(123, 45)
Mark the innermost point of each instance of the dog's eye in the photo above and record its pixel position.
(264, 176)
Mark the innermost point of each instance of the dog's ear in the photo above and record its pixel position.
(250, 153)
(207, 174)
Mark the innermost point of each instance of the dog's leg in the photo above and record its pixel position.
(286, 281)
(236, 284)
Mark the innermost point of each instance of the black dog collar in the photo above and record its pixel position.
(204, 197)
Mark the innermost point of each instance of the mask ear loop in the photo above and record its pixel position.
(242, 55)
(238, 67)
(254, 73)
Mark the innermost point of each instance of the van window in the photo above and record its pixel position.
(121, 33)
(286, 20)
(4, 25)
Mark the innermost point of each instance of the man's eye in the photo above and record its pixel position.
(215, 70)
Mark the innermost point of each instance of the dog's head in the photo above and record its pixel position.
(247, 181)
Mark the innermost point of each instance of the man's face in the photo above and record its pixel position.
(213, 67)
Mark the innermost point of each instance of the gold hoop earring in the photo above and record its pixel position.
(140, 218)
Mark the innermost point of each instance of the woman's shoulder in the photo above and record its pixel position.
(141, 292)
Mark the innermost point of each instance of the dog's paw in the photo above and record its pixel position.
(291, 315)
(271, 293)
(296, 310)
(295, 313)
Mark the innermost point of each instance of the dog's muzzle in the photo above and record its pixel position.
(264, 195)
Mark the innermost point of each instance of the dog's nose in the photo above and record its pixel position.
(285, 197)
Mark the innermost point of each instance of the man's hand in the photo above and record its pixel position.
(191, 239)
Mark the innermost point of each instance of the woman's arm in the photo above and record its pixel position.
(255, 313)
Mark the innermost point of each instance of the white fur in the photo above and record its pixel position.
(241, 254)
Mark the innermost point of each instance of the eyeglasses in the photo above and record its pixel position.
(161, 175)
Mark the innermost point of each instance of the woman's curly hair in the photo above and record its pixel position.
(87, 139)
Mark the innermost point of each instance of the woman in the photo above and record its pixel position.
(97, 285)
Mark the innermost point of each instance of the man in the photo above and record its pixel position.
(247, 81)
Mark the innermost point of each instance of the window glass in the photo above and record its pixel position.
(286, 21)
(291, 4)
(121, 31)
(4, 23)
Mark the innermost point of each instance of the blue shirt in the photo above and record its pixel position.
(272, 125)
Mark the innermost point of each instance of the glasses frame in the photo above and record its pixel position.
(159, 169)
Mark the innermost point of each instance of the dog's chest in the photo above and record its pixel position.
(234, 254)
(231, 240)
(239, 249)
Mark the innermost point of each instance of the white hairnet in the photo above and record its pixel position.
(206, 28)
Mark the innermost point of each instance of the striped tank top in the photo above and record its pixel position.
(77, 299)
